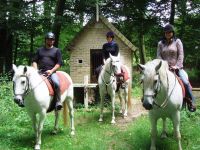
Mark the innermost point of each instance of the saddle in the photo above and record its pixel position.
(122, 78)
(186, 99)
(64, 84)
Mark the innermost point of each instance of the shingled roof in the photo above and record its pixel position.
(110, 26)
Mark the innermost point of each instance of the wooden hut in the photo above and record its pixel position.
(85, 51)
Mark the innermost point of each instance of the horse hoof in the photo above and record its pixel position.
(100, 120)
(54, 132)
(163, 135)
(125, 115)
(37, 147)
(72, 133)
(113, 122)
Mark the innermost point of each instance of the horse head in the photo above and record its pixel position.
(20, 83)
(151, 82)
(115, 64)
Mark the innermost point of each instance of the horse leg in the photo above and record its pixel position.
(56, 122)
(164, 132)
(153, 132)
(101, 106)
(126, 101)
(71, 114)
(121, 102)
(113, 109)
(42, 116)
(176, 124)
(34, 124)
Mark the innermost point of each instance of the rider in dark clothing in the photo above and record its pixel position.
(48, 59)
(109, 47)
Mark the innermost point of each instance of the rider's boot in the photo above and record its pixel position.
(190, 104)
(58, 98)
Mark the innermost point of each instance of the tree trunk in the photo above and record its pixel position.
(182, 6)
(142, 48)
(172, 13)
(32, 35)
(58, 20)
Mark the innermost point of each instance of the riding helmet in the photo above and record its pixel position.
(169, 28)
(50, 35)
(110, 34)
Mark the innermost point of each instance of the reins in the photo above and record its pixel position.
(28, 90)
(164, 104)
(111, 74)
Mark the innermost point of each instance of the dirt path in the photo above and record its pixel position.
(135, 111)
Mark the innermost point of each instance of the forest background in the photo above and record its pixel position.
(23, 24)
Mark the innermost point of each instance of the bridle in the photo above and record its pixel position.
(154, 95)
(26, 89)
(111, 73)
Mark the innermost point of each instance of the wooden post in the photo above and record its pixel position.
(86, 91)
(129, 97)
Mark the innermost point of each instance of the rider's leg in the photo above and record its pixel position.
(55, 80)
(188, 89)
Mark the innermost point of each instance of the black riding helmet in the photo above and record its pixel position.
(168, 28)
(110, 34)
(50, 35)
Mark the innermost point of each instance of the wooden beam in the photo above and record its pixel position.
(195, 89)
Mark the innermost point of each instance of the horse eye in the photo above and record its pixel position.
(155, 81)
(23, 82)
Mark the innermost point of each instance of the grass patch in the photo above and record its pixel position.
(16, 131)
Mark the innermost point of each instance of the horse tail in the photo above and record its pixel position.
(129, 97)
(65, 113)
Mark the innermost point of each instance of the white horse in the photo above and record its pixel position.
(162, 96)
(108, 84)
(31, 87)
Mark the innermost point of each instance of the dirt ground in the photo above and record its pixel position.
(136, 110)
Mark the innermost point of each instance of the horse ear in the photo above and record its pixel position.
(158, 66)
(25, 69)
(14, 67)
(110, 55)
(118, 55)
(141, 67)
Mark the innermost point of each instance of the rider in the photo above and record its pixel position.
(110, 47)
(170, 49)
(48, 60)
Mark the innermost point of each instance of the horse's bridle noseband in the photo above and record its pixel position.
(110, 73)
(154, 95)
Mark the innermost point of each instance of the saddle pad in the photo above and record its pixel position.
(182, 86)
(125, 73)
(64, 83)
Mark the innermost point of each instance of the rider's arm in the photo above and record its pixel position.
(34, 64)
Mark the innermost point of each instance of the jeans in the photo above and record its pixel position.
(183, 76)
(55, 80)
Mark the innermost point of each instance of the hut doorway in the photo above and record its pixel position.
(96, 59)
